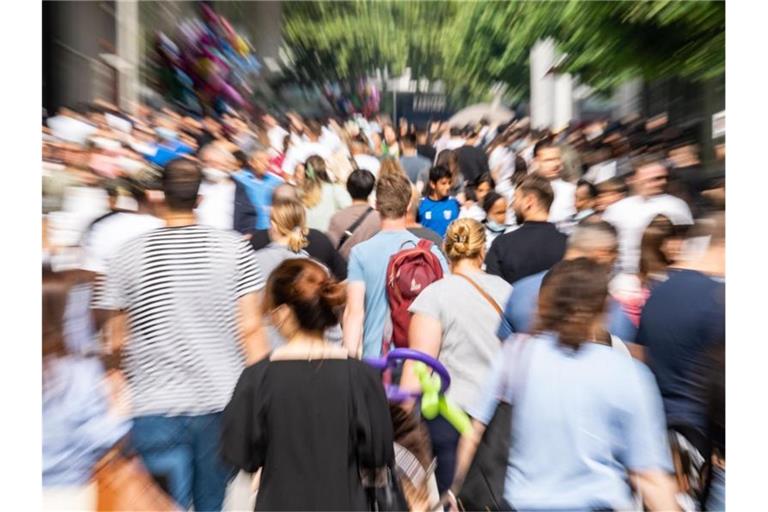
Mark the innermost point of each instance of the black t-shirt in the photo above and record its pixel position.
(472, 162)
(531, 248)
(427, 151)
(320, 248)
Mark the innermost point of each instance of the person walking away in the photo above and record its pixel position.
(287, 232)
(302, 149)
(415, 165)
(358, 222)
(423, 146)
(597, 241)
(682, 320)
(473, 160)
(537, 244)
(367, 310)
(311, 418)
(438, 209)
(319, 246)
(461, 334)
(609, 430)
(496, 214)
(255, 191)
(320, 195)
(389, 146)
(184, 301)
(548, 164)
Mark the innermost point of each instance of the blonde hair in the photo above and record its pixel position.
(315, 174)
(289, 219)
(464, 239)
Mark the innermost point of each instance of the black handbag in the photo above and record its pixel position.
(483, 487)
(384, 491)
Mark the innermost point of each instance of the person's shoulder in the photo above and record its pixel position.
(528, 282)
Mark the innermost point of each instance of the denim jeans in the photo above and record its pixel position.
(716, 499)
(182, 453)
(445, 440)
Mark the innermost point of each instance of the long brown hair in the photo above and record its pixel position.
(572, 295)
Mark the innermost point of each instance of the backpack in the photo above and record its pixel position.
(409, 271)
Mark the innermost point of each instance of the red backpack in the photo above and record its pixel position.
(409, 271)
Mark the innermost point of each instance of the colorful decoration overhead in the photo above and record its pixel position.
(209, 65)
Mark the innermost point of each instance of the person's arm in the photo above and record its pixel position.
(657, 488)
(425, 334)
(465, 453)
(253, 336)
(354, 314)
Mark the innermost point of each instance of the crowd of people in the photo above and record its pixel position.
(213, 288)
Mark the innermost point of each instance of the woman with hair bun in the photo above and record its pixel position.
(288, 233)
(457, 320)
(311, 418)
(588, 424)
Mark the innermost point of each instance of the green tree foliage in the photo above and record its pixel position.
(474, 45)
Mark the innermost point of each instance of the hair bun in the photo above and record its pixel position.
(334, 294)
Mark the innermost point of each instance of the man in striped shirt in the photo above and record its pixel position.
(185, 319)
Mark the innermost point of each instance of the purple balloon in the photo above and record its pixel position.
(400, 354)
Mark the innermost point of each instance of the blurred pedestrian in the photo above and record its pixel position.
(308, 416)
(320, 195)
(359, 221)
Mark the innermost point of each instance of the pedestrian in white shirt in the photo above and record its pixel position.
(217, 191)
(309, 146)
(632, 215)
(275, 133)
(549, 165)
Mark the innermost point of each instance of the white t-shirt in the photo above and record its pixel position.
(369, 163)
(107, 236)
(276, 135)
(563, 205)
(632, 215)
(299, 153)
(217, 206)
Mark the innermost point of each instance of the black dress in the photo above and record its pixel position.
(311, 425)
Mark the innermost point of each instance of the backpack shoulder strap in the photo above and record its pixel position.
(425, 244)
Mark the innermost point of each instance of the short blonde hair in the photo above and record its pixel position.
(290, 219)
(464, 239)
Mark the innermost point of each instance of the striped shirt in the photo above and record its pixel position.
(180, 287)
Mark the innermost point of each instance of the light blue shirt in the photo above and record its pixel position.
(581, 421)
(78, 428)
(259, 191)
(521, 309)
(368, 264)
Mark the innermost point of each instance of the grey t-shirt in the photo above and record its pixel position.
(469, 323)
(415, 166)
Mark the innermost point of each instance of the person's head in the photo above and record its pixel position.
(660, 247)
(440, 181)
(597, 241)
(360, 184)
(393, 195)
(284, 191)
(391, 165)
(521, 171)
(465, 240)
(482, 186)
(609, 192)
(259, 160)
(112, 187)
(495, 207)
(455, 131)
(302, 299)
(288, 223)
(533, 198)
(408, 143)
(450, 160)
(218, 163)
(585, 196)
(269, 121)
(181, 183)
(548, 160)
(315, 174)
(313, 130)
(421, 136)
(650, 177)
(390, 136)
(572, 301)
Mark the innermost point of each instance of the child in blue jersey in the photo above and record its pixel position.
(438, 209)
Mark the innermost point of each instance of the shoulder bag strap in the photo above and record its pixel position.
(351, 229)
(488, 298)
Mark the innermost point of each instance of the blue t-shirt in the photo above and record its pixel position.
(168, 151)
(259, 192)
(581, 420)
(368, 264)
(437, 215)
(683, 318)
(522, 304)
